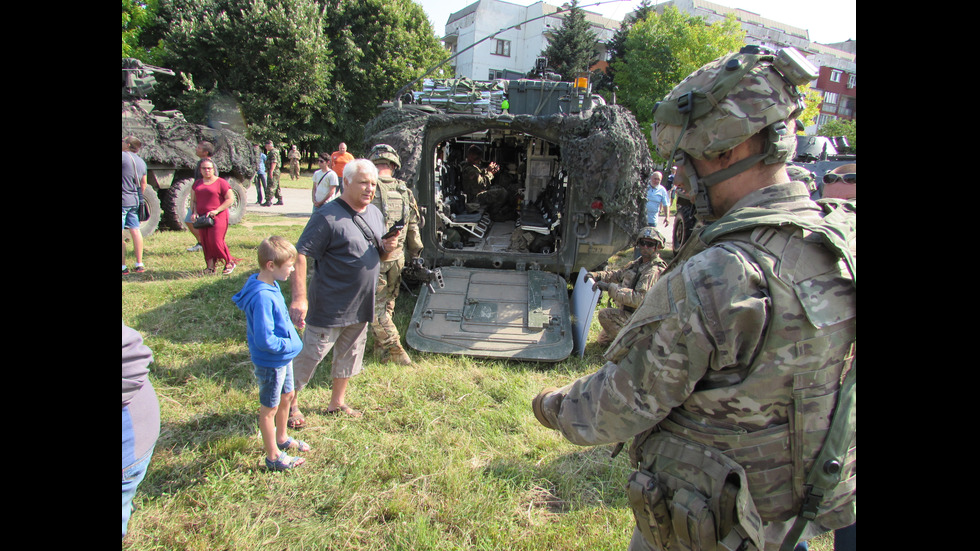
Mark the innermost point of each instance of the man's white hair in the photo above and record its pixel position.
(363, 166)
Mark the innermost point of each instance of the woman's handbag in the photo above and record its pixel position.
(204, 221)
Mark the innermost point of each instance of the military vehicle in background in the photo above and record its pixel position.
(169, 144)
(818, 154)
(575, 170)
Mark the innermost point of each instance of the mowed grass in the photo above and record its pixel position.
(447, 456)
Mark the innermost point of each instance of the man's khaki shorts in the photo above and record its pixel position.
(348, 354)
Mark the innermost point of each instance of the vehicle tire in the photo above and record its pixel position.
(149, 226)
(236, 212)
(174, 203)
(683, 226)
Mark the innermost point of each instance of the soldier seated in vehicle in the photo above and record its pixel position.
(477, 183)
(628, 286)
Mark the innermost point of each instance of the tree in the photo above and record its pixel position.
(661, 50)
(616, 48)
(812, 109)
(379, 46)
(303, 72)
(841, 127)
(138, 16)
(574, 47)
(263, 62)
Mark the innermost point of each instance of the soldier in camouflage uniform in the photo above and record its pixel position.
(477, 184)
(628, 286)
(397, 203)
(272, 171)
(729, 373)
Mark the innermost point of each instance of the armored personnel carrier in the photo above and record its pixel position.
(574, 170)
(169, 144)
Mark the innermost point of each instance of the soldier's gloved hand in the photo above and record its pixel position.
(548, 400)
(604, 285)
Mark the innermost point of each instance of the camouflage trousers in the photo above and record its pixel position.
(272, 186)
(383, 328)
(612, 321)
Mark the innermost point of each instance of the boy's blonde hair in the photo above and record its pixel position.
(276, 249)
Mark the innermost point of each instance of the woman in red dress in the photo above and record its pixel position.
(213, 197)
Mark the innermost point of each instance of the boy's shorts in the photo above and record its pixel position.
(273, 383)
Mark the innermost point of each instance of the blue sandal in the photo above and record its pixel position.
(300, 445)
(283, 462)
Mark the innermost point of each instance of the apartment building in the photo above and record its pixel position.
(518, 35)
(837, 63)
(523, 35)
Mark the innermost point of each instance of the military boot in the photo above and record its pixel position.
(398, 355)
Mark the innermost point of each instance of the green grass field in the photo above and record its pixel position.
(447, 456)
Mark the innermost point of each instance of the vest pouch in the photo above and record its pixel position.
(692, 521)
(705, 494)
(646, 498)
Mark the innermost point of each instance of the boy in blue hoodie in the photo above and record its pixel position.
(272, 343)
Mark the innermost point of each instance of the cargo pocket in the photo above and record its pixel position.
(646, 498)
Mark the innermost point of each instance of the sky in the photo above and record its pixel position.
(828, 21)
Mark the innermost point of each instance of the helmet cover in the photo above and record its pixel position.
(384, 152)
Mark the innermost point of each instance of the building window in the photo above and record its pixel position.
(835, 75)
(495, 74)
(852, 81)
(830, 97)
(502, 48)
(824, 119)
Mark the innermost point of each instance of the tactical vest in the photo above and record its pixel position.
(632, 275)
(689, 491)
(395, 201)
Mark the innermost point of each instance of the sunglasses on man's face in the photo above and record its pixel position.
(830, 178)
(646, 244)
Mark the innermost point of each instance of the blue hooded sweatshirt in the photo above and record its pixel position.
(272, 339)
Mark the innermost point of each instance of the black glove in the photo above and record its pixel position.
(604, 285)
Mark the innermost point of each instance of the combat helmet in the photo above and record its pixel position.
(726, 102)
(384, 152)
(652, 234)
(800, 174)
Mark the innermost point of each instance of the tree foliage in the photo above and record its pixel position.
(574, 47)
(304, 72)
(616, 48)
(379, 46)
(137, 15)
(812, 109)
(841, 127)
(661, 50)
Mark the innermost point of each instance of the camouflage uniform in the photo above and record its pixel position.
(294, 164)
(477, 184)
(396, 202)
(631, 285)
(272, 176)
(729, 372)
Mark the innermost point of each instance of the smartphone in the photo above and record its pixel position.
(394, 229)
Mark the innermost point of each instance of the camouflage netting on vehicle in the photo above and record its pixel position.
(604, 154)
(607, 154)
(170, 140)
